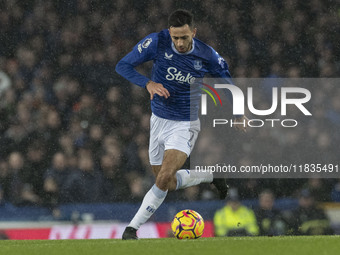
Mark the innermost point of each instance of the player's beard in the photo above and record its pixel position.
(184, 50)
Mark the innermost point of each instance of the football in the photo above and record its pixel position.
(187, 224)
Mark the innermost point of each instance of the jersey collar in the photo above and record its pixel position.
(185, 53)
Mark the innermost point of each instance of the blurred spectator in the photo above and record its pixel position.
(52, 132)
(83, 184)
(235, 219)
(249, 188)
(335, 194)
(7, 110)
(137, 185)
(115, 186)
(66, 144)
(4, 173)
(35, 166)
(308, 219)
(96, 135)
(320, 189)
(269, 220)
(86, 110)
(5, 82)
(15, 189)
(54, 178)
(191, 194)
(2, 199)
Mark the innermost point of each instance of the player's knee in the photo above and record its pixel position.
(165, 181)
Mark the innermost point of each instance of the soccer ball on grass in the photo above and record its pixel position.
(187, 224)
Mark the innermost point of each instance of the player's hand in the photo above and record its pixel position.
(157, 88)
(243, 123)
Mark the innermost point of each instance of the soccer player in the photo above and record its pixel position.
(178, 59)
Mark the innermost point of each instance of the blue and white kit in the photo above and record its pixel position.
(176, 72)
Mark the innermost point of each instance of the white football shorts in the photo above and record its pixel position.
(171, 134)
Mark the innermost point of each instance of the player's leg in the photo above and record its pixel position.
(184, 179)
(183, 138)
(167, 154)
(156, 169)
(155, 196)
(173, 160)
(166, 180)
(151, 201)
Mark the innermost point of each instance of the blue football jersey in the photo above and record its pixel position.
(176, 71)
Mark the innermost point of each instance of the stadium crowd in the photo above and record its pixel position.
(72, 130)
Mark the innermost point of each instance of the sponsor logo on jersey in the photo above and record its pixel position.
(168, 57)
(146, 43)
(174, 74)
(198, 64)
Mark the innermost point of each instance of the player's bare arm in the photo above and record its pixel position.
(156, 88)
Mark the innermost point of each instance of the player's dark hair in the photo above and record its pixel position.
(180, 18)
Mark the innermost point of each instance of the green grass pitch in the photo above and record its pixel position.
(318, 245)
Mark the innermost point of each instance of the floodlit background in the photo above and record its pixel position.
(73, 132)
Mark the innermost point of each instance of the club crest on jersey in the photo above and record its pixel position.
(198, 64)
(168, 57)
(146, 43)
